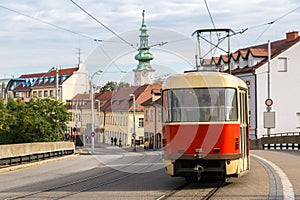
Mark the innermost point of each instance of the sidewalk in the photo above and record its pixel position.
(88, 147)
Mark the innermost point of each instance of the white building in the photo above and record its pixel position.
(251, 64)
(62, 84)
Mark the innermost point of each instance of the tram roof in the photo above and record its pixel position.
(203, 79)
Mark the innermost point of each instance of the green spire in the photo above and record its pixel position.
(144, 56)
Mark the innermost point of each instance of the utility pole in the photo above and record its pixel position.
(56, 83)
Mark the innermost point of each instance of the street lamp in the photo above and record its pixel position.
(92, 107)
(134, 133)
(99, 120)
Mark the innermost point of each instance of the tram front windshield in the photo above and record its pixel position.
(200, 105)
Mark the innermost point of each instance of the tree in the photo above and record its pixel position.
(112, 85)
(109, 86)
(39, 120)
(123, 85)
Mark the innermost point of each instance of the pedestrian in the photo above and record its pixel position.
(115, 141)
(120, 142)
(146, 145)
(112, 140)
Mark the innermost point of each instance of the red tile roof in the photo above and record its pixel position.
(150, 102)
(224, 58)
(52, 72)
(216, 60)
(43, 79)
(121, 101)
(277, 47)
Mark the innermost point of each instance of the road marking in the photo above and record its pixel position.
(288, 192)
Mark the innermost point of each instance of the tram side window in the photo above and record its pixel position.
(230, 105)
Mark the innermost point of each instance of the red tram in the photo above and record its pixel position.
(205, 125)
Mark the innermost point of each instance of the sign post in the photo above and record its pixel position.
(269, 117)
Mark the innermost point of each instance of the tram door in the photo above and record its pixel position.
(244, 130)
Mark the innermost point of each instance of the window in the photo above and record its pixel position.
(40, 94)
(51, 93)
(282, 64)
(141, 122)
(158, 115)
(200, 105)
(45, 93)
(17, 95)
(251, 62)
(298, 119)
(146, 115)
(248, 83)
(151, 115)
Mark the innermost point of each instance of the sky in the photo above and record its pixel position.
(38, 35)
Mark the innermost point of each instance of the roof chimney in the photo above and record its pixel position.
(291, 36)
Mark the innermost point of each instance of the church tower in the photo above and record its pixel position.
(143, 74)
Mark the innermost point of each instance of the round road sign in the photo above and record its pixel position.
(93, 134)
(269, 102)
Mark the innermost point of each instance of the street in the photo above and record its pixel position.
(114, 173)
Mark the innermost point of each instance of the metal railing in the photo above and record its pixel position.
(282, 134)
(280, 141)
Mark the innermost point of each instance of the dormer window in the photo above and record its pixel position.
(250, 62)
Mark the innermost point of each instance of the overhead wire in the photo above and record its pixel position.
(106, 27)
(48, 23)
(268, 24)
(106, 54)
(213, 23)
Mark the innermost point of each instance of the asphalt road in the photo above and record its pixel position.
(114, 173)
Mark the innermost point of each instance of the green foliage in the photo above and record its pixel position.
(112, 85)
(39, 120)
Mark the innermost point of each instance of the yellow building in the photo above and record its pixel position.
(153, 120)
(115, 119)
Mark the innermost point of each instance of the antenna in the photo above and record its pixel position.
(79, 54)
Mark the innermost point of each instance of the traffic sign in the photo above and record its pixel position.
(133, 134)
(269, 102)
(93, 134)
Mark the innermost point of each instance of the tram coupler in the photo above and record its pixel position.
(198, 169)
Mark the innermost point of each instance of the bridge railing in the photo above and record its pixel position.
(288, 140)
(28, 152)
(282, 134)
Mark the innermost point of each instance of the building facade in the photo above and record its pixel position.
(153, 120)
(251, 65)
(60, 84)
(118, 114)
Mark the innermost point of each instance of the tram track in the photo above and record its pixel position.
(201, 190)
(91, 182)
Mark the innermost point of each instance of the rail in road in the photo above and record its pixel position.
(112, 173)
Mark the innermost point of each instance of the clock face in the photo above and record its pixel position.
(144, 73)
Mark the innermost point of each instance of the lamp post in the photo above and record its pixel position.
(92, 107)
(99, 120)
(134, 133)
